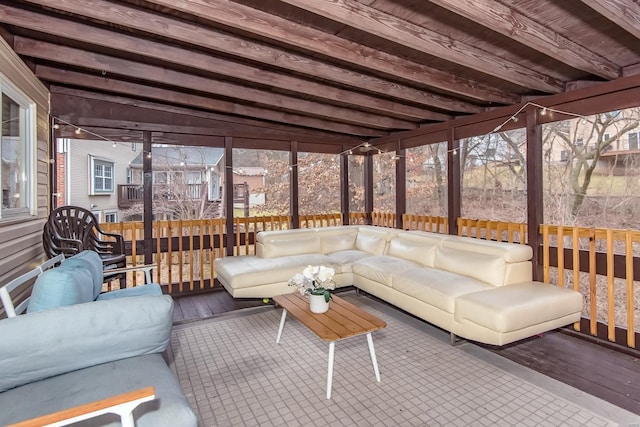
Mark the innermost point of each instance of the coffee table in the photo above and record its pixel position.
(343, 320)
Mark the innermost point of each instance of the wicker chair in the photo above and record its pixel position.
(71, 229)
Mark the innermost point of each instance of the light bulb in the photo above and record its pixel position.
(56, 126)
(544, 111)
(78, 131)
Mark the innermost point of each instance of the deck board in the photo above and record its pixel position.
(601, 371)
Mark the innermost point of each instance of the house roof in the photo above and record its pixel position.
(249, 171)
(175, 156)
(326, 71)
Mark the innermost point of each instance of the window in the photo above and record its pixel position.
(101, 176)
(633, 141)
(110, 217)
(17, 136)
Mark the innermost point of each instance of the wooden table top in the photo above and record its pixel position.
(343, 320)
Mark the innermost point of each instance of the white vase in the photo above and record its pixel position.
(317, 304)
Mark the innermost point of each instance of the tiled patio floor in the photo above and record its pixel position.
(234, 374)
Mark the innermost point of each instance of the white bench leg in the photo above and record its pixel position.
(282, 319)
(372, 352)
(332, 346)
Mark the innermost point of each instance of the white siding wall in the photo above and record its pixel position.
(20, 239)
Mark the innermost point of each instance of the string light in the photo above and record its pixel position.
(366, 145)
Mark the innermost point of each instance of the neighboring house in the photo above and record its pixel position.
(89, 172)
(179, 173)
(254, 177)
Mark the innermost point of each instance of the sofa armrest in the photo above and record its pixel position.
(43, 344)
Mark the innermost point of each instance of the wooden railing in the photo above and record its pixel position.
(603, 266)
(511, 232)
(434, 224)
(606, 261)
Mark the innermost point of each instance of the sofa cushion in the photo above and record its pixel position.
(339, 242)
(248, 271)
(136, 291)
(381, 268)
(169, 409)
(510, 252)
(413, 250)
(278, 247)
(58, 287)
(513, 307)
(435, 287)
(69, 338)
(371, 242)
(342, 261)
(486, 268)
(90, 261)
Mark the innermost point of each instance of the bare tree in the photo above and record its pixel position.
(585, 141)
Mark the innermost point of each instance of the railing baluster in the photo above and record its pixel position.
(592, 282)
(576, 265)
(631, 336)
(611, 320)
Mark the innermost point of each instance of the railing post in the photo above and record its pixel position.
(535, 212)
(368, 188)
(401, 185)
(147, 173)
(228, 194)
(453, 172)
(294, 207)
(344, 187)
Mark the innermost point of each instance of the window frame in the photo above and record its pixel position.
(28, 132)
(93, 162)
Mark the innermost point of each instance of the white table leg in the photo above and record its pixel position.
(372, 352)
(282, 319)
(330, 368)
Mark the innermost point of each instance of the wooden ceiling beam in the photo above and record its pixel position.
(389, 27)
(230, 69)
(72, 106)
(112, 66)
(511, 23)
(303, 38)
(281, 120)
(623, 13)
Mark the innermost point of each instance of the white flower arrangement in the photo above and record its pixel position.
(315, 280)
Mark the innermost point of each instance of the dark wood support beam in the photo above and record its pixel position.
(368, 186)
(228, 193)
(111, 65)
(147, 201)
(454, 196)
(401, 185)
(181, 57)
(238, 113)
(294, 200)
(535, 211)
(118, 112)
(52, 169)
(513, 24)
(344, 187)
(303, 38)
(624, 13)
(373, 21)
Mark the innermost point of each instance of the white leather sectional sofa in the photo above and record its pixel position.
(476, 289)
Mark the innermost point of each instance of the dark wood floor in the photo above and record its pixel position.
(599, 370)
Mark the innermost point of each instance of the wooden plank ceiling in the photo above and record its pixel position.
(329, 71)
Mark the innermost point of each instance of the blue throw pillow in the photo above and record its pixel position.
(90, 261)
(59, 287)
